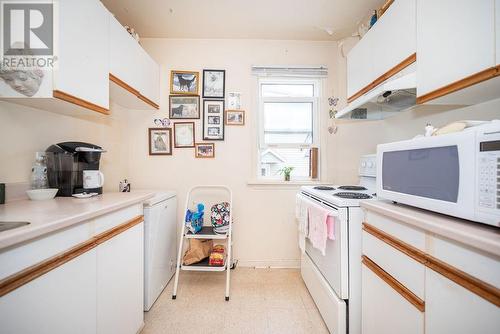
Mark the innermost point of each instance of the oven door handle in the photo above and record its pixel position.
(332, 212)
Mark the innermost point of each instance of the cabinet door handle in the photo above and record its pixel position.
(393, 283)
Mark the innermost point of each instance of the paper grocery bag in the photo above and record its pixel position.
(198, 250)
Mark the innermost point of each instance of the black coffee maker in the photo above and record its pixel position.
(66, 163)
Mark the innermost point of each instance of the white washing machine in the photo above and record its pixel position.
(160, 250)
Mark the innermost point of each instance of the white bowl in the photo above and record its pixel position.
(41, 194)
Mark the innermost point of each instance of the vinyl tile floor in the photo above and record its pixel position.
(261, 301)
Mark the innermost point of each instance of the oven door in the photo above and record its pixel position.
(333, 266)
(434, 173)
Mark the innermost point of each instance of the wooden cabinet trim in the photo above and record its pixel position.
(79, 102)
(402, 65)
(395, 284)
(401, 246)
(27, 275)
(473, 79)
(469, 282)
(148, 101)
(132, 90)
(385, 7)
(124, 85)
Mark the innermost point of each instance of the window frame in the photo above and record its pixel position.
(314, 100)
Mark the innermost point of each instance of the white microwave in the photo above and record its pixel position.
(455, 174)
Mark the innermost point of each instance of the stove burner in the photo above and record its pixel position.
(324, 188)
(350, 195)
(352, 188)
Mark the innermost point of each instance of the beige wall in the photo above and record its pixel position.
(24, 130)
(264, 233)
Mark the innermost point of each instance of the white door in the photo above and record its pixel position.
(83, 52)
(60, 301)
(450, 308)
(385, 311)
(455, 39)
(160, 248)
(120, 270)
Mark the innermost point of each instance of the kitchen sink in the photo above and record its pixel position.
(4, 226)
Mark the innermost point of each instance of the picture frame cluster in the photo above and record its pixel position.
(184, 108)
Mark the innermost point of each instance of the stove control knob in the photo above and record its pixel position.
(370, 164)
(363, 164)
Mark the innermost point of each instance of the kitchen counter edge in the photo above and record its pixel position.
(102, 204)
(476, 235)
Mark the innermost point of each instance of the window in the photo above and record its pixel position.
(288, 126)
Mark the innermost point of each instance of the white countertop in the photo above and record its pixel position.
(60, 212)
(480, 236)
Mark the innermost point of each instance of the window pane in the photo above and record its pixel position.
(288, 122)
(272, 160)
(287, 90)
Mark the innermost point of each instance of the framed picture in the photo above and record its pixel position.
(204, 150)
(160, 141)
(184, 82)
(213, 119)
(234, 100)
(184, 134)
(184, 107)
(235, 117)
(214, 83)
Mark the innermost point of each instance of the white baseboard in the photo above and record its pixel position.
(270, 263)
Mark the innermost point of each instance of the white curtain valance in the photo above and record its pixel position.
(291, 71)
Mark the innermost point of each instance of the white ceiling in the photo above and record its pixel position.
(253, 19)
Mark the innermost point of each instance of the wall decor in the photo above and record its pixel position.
(162, 122)
(204, 150)
(214, 83)
(183, 134)
(235, 117)
(160, 141)
(184, 107)
(213, 119)
(234, 100)
(184, 82)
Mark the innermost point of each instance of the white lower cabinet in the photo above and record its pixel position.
(450, 308)
(384, 310)
(92, 284)
(120, 272)
(60, 301)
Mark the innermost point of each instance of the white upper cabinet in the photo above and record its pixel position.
(150, 83)
(394, 36)
(455, 39)
(136, 71)
(123, 61)
(83, 51)
(360, 66)
(497, 31)
(388, 43)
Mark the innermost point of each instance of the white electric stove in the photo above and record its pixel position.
(334, 279)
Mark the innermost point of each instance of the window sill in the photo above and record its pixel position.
(280, 183)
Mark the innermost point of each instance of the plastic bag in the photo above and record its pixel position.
(194, 219)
